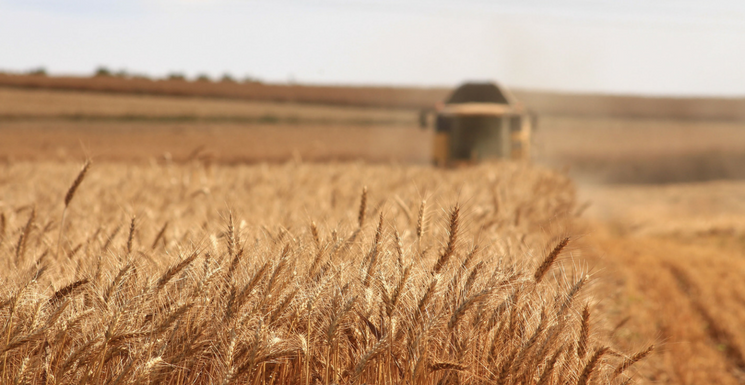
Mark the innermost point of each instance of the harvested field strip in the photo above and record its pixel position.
(687, 295)
(295, 273)
(719, 335)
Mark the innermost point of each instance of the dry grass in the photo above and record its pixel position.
(287, 274)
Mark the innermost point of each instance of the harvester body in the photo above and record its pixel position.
(481, 121)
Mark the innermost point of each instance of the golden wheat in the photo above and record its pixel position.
(275, 300)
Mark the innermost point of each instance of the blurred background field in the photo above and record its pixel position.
(622, 145)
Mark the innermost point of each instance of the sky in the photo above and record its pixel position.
(652, 47)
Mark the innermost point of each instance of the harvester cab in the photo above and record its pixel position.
(479, 121)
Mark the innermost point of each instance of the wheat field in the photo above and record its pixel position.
(296, 273)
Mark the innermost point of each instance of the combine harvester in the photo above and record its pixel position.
(479, 121)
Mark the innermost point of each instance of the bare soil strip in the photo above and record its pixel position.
(669, 279)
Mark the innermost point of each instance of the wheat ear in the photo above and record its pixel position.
(363, 207)
(452, 240)
(67, 290)
(549, 260)
(2, 227)
(131, 236)
(231, 237)
(420, 222)
(160, 235)
(632, 360)
(589, 369)
(23, 239)
(584, 334)
(68, 198)
(172, 271)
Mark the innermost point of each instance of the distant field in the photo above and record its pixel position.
(540, 102)
(387, 97)
(53, 124)
(634, 150)
(27, 104)
(223, 142)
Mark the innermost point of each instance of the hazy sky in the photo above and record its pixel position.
(662, 47)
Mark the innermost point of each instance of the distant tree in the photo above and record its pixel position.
(203, 78)
(41, 71)
(251, 79)
(102, 72)
(122, 74)
(176, 76)
(227, 78)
